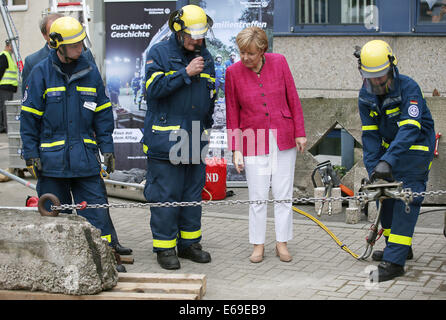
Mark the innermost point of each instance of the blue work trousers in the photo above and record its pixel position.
(90, 189)
(166, 182)
(399, 225)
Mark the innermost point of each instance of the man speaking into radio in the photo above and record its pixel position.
(180, 87)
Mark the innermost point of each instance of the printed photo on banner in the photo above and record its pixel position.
(132, 28)
(230, 17)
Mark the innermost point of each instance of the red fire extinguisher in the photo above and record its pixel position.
(215, 187)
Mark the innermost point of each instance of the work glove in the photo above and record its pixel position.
(34, 165)
(382, 170)
(109, 162)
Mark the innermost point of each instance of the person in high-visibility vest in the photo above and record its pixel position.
(8, 82)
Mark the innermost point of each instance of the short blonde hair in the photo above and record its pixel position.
(252, 35)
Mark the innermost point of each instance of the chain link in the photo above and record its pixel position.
(428, 193)
(200, 203)
(404, 195)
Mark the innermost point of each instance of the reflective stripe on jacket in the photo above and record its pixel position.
(398, 129)
(175, 101)
(66, 120)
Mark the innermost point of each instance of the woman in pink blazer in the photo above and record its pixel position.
(265, 130)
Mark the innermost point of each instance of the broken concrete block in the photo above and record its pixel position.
(352, 215)
(353, 212)
(63, 254)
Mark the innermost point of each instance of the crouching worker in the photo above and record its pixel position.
(66, 118)
(180, 85)
(398, 141)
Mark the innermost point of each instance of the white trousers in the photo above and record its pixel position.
(275, 170)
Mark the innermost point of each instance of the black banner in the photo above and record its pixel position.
(132, 27)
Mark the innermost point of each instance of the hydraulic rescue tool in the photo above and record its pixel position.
(379, 191)
(369, 192)
(330, 180)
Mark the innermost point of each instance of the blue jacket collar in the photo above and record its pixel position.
(82, 68)
(82, 62)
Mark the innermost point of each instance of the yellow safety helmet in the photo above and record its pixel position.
(66, 30)
(191, 19)
(376, 59)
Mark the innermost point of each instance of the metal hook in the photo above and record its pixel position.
(373, 234)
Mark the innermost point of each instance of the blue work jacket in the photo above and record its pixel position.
(65, 119)
(220, 72)
(177, 103)
(398, 129)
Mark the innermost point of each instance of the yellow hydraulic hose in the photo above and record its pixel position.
(320, 224)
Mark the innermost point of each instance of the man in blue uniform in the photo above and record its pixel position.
(39, 55)
(32, 60)
(180, 85)
(66, 118)
(220, 71)
(398, 143)
(136, 85)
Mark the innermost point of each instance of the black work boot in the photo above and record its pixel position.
(386, 271)
(378, 255)
(123, 251)
(168, 259)
(195, 253)
(120, 268)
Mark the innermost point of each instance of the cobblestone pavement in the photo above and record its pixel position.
(319, 269)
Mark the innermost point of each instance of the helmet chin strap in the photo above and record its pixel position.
(180, 37)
